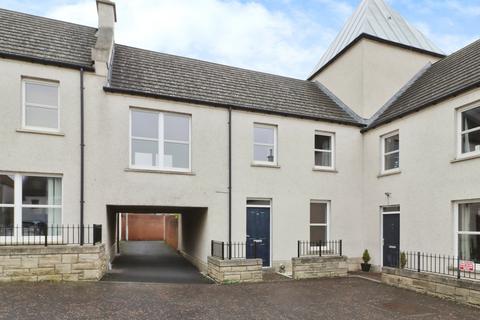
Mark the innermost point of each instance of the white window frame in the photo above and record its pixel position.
(332, 151)
(384, 154)
(275, 153)
(161, 141)
(456, 211)
(18, 208)
(327, 224)
(50, 83)
(460, 133)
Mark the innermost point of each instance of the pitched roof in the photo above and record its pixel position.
(453, 75)
(375, 18)
(148, 73)
(44, 40)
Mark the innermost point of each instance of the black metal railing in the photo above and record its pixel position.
(440, 264)
(235, 250)
(319, 248)
(43, 234)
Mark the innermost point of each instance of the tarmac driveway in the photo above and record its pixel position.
(348, 298)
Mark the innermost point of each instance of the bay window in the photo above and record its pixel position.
(41, 105)
(32, 202)
(265, 144)
(468, 233)
(160, 140)
(324, 150)
(390, 147)
(469, 132)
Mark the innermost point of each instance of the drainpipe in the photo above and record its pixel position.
(230, 182)
(82, 156)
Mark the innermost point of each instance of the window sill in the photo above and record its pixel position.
(466, 158)
(48, 133)
(265, 165)
(318, 169)
(389, 173)
(184, 173)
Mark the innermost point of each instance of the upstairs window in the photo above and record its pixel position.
(41, 105)
(324, 150)
(265, 144)
(391, 152)
(469, 132)
(160, 140)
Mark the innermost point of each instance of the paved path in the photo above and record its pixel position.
(347, 298)
(152, 261)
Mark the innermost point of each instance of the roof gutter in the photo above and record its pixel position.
(14, 56)
(221, 105)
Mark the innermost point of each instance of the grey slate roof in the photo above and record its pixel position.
(457, 73)
(39, 39)
(138, 71)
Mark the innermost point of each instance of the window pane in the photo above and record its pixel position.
(176, 155)
(318, 213)
(176, 127)
(41, 191)
(6, 189)
(318, 233)
(469, 247)
(392, 143)
(35, 219)
(263, 153)
(469, 217)
(41, 94)
(144, 153)
(41, 117)
(258, 202)
(323, 142)
(264, 135)
(145, 124)
(392, 161)
(391, 209)
(471, 119)
(323, 159)
(471, 142)
(6, 221)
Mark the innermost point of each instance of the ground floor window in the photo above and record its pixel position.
(29, 203)
(469, 231)
(319, 221)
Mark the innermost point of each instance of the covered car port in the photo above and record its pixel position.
(148, 257)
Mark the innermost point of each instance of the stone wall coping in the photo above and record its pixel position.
(318, 259)
(51, 249)
(234, 262)
(463, 283)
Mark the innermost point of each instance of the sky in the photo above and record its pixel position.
(285, 37)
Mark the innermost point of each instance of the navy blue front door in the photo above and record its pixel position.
(391, 240)
(258, 234)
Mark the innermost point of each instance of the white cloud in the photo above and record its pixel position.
(244, 34)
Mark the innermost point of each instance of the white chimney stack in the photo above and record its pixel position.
(102, 53)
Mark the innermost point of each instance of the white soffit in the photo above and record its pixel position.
(378, 19)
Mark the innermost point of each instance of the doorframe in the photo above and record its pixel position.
(382, 213)
(270, 263)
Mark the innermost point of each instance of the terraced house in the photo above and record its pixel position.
(380, 147)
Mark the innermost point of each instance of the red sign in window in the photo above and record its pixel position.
(468, 266)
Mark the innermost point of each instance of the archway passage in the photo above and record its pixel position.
(147, 241)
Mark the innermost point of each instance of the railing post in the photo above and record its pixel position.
(230, 250)
(418, 261)
(45, 232)
(211, 248)
(298, 248)
(223, 250)
(255, 249)
(341, 249)
(320, 248)
(458, 267)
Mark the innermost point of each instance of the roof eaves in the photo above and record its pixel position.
(222, 105)
(377, 114)
(13, 56)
